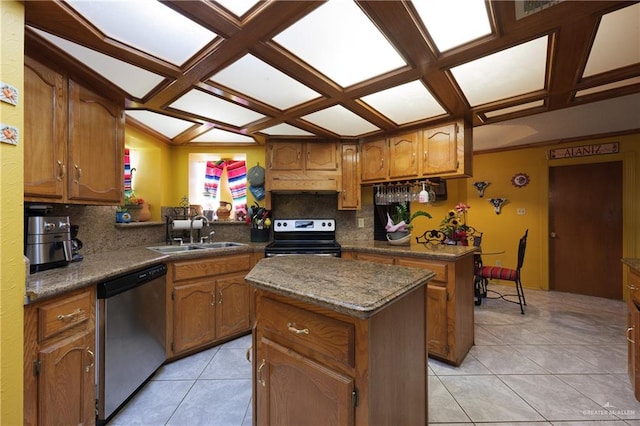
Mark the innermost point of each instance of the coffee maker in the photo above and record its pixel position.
(47, 242)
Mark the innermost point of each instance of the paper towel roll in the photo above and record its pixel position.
(186, 224)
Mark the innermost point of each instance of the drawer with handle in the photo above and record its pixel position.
(318, 333)
(64, 314)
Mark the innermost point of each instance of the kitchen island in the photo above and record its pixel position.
(339, 341)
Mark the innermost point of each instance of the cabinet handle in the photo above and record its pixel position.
(219, 296)
(260, 379)
(424, 156)
(78, 173)
(213, 298)
(249, 354)
(93, 357)
(291, 327)
(72, 316)
(630, 340)
(413, 158)
(63, 170)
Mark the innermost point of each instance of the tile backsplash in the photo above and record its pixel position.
(99, 233)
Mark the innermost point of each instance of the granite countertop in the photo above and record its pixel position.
(632, 263)
(352, 287)
(431, 251)
(98, 267)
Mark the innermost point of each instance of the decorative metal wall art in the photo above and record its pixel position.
(480, 186)
(497, 204)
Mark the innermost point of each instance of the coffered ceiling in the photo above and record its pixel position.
(241, 71)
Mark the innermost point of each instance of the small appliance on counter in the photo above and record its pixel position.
(47, 242)
(76, 244)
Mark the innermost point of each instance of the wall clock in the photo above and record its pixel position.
(520, 179)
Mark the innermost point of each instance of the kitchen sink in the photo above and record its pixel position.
(195, 246)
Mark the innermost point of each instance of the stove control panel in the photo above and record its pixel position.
(304, 225)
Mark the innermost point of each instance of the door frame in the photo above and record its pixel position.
(630, 209)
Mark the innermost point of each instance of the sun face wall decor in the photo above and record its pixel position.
(520, 180)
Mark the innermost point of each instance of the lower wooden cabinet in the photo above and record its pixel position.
(59, 348)
(316, 366)
(449, 300)
(209, 302)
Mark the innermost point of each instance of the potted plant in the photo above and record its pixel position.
(399, 225)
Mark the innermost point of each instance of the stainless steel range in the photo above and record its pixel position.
(303, 236)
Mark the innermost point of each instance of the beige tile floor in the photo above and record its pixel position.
(562, 363)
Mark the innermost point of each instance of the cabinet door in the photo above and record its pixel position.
(633, 343)
(321, 156)
(193, 315)
(293, 390)
(437, 321)
(403, 152)
(66, 389)
(350, 198)
(45, 135)
(286, 156)
(232, 311)
(378, 258)
(96, 145)
(440, 149)
(373, 161)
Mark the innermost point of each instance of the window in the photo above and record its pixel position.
(216, 178)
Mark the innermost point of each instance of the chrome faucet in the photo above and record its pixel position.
(206, 223)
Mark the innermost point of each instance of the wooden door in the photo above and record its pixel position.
(373, 161)
(294, 390)
(193, 315)
(45, 132)
(350, 197)
(321, 156)
(585, 224)
(96, 148)
(286, 156)
(403, 152)
(66, 389)
(440, 149)
(232, 310)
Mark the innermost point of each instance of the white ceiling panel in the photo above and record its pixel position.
(610, 86)
(263, 82)
(205, 105)
(341, 121)
(510, 72)
(405, 103)
(148, 26)
(238, 7)
(468, 17)
(514, 108)
(164, 124)
(136, 81)
(285, 129)
(342, 43)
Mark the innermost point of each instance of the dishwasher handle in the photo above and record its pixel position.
(122, 283)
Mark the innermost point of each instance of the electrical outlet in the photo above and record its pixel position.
(361, 222)
(498, 262)
(521, 211)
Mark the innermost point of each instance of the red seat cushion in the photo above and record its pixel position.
(498, 273)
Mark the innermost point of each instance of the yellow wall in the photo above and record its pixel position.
(501, 232)
(152, 178)
(12, 270)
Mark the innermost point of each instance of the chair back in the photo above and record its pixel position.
(522, 246)
(432, 236)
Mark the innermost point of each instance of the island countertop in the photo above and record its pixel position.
(428, 251)
(352, 287)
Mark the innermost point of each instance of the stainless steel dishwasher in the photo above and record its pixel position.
(130, 337)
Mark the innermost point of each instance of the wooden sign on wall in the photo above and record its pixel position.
(584, 150)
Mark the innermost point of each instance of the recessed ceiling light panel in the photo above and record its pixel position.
(263, 82)
(285, 129)
(510, 72)
(515, 108)
(164, 124)
(222, 136)
(406, 103)
(342, 43)
(341, 121)
(205, 105)
(238, 7)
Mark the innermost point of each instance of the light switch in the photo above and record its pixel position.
(361, 222)
(521, 211)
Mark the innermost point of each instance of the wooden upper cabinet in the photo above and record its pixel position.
(292, 156)
(96, 147)
(403, 153)
(440, 149)
(374, 155)
(45, 132)
(350, 197)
